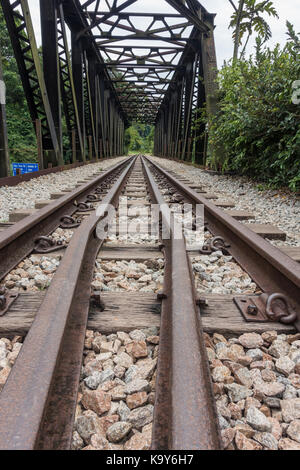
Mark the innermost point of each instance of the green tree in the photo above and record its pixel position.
(21, 136)
(247, 18)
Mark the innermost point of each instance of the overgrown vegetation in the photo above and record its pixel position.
(258, 124)
(139, 138)
(21, 136)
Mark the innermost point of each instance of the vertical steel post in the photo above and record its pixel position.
(48, 10)
(77, 67)
(4, 156)
(200, 127)
(39, 139)
(92, 96)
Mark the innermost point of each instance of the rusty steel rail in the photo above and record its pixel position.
(271, 269)
(17, 241)
(185, 414)
(38, 402)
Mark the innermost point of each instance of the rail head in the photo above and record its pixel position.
(185, 415)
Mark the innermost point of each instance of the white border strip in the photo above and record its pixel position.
(2, 93)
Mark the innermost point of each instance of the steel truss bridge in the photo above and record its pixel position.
(107, 63)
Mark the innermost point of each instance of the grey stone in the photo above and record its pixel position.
(141, 416)
(272, 402)
(251, 340)
(290, 409)
(137, 385)
(106, 375)
(104, 357)
(131, 374)
(237, 392)
(77, 442)
(274, 389)
(137, 335)
(151, 331)
(257, 420)
(290, 392)
(267, 440)
(93, 381)
(146, 368)
(118, 431)
(279, 348)
(198, 268)
(123, 360)
(223, 423)
(285, 365)
(293, 431)
(86, 426)
(255, 354)
(123, 411)
(244, 377)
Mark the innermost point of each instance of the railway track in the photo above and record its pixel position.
(55, 342)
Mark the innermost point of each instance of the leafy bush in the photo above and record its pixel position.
(258, 125)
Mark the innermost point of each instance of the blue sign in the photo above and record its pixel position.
(24, 168)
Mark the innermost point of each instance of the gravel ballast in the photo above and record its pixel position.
(25, 195)
(117, 391)
(256, 381)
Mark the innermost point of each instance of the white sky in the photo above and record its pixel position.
(287, 10)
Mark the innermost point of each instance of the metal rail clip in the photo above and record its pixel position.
(213, 245)
(47, 245)
(83, 207)
(6, 300)
(69, 222)
(93, 198)
(266, 308)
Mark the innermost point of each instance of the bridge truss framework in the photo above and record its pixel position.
(104, 65)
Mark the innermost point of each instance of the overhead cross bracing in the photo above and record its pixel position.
(107, 63)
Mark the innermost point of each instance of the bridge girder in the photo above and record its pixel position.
(121, 65)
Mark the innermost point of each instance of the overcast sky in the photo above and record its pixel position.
(287, 9)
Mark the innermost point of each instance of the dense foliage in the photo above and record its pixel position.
(21, 137)
(139, 138)
(258, 124)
